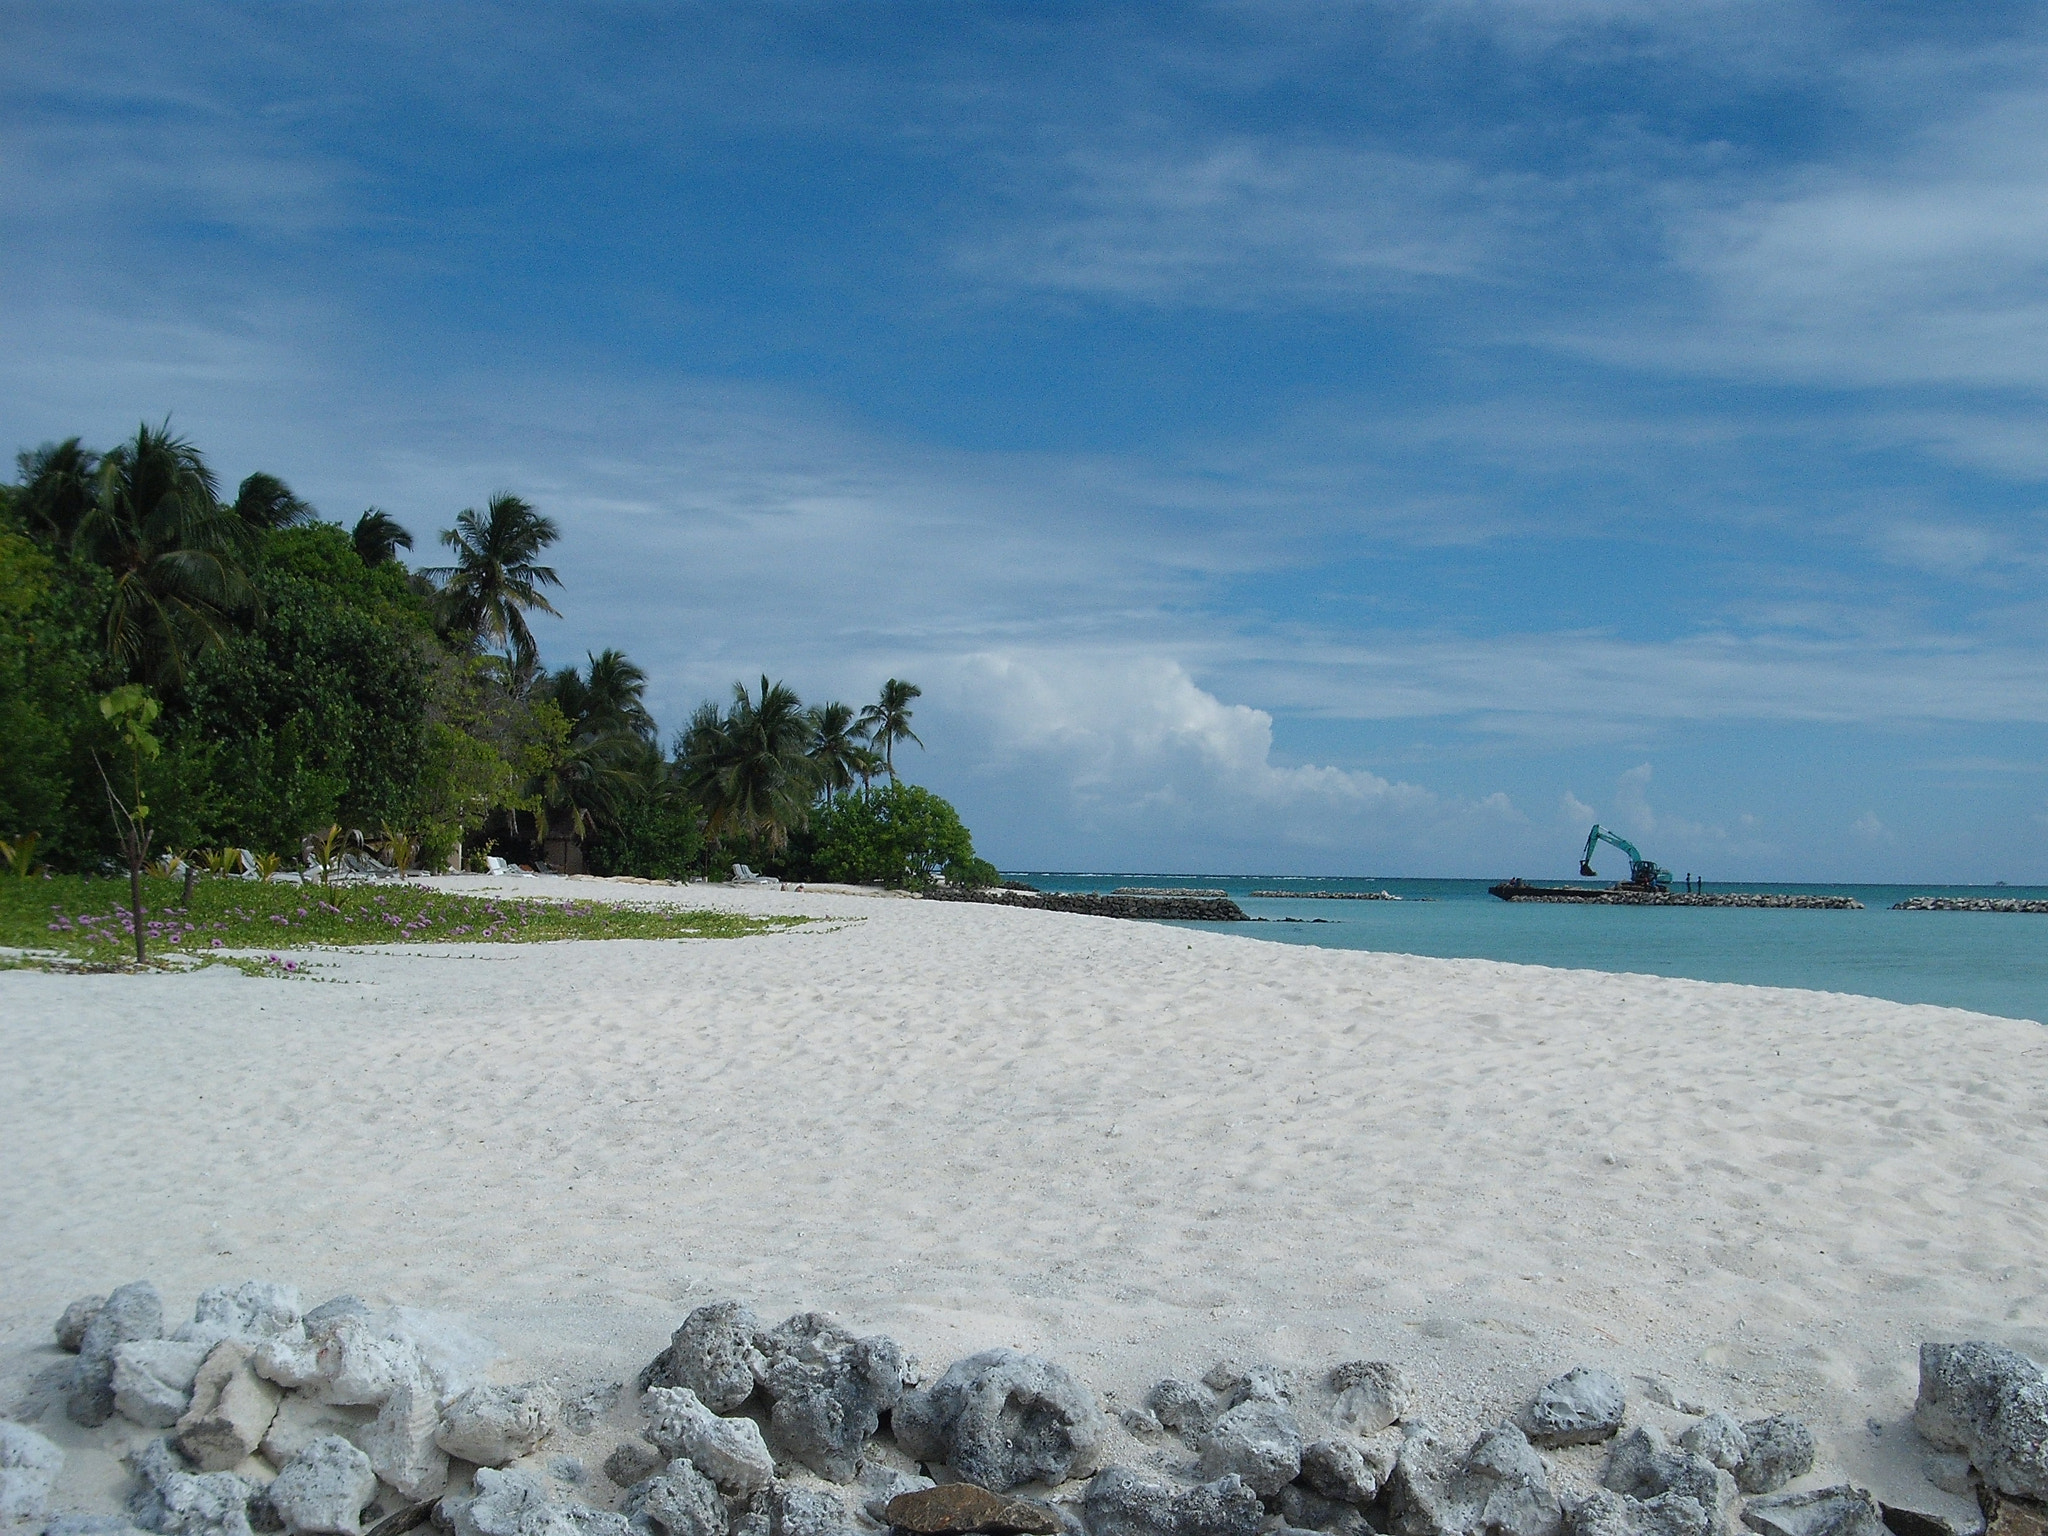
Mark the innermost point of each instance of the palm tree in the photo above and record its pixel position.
(266, 502)
(887, 721)
(615, 696)
(57, 487)
(378, 537)
(835, 748)
(494, 579)
(749, 767)
(583, 784)
(175, 552)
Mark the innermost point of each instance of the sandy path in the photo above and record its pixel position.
(1137, 1147)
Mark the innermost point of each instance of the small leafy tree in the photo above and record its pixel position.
(900, 835)
(131, 711)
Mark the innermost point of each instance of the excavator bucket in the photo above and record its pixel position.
(1587, 870)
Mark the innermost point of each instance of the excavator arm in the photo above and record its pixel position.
(1641, 871)
(1600, 835)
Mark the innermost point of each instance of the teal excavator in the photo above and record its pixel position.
(1643, 875)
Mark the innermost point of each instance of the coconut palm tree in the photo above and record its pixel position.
(615, 696)
(266, 502)
(835, 749)
(57, 482)
(175, 552)
(494, 579)
(378, 537)
(749, 767)
(887, 721)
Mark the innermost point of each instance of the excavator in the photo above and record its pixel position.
(1643, 875)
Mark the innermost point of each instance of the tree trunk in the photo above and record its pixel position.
(135, 891)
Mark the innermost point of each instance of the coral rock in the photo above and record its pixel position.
(1581, 1407)
(730, 1452)
(1003, 1417)
(492, 1425)
(324, 1490)
(231, 1409)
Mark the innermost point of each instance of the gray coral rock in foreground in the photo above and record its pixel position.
(1337, 1469)
(503, 1504)
(1581, 1407)
(1720, 1439)
(632, 1462)
(1604, 1512)
(794, 1511)
(342, 1361)
(680, 1500)
(176, 1502)
(1775, 1450)
(253, 1311)
(29, 1464)
(231, 1409)
(300, 1421)
(1643, 1466)
(1507, 1482)
(491, 1425)
(76, 1318)
(1186, 1407)
(1837, 1511)
(829, 1389)
(1119, 1502)
(1257, 1440)
(1992, 1405)
(324, 1490)
(1001, 1418)
(714, 1355)
(1303, 1509)
(1234, 1382)
(153, 1379)
(1371, 1394)
(133, 1312)
(730, 1452)
(404, 1443)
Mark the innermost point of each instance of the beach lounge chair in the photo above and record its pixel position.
(741, 875)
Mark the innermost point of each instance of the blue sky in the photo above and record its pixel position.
(1345, 438)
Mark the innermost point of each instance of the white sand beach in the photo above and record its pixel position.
(1133, 1147)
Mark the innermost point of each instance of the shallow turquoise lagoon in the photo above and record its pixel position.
(1986, 961)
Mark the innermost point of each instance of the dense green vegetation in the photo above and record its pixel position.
(89, 919)
(183, 670)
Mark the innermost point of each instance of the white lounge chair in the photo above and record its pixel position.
(741, 875)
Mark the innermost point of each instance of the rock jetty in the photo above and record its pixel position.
(1178, 908)
(1515, 890)
(1326, 896)
(345, 1421)
(1163, 890)
(1968, 904)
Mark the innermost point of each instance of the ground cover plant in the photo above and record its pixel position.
(90, 920)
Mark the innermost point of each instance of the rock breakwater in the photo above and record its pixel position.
(1177, 908)
(345, 1417)
(1968, 904)
(1515, 890)
(1326, 896)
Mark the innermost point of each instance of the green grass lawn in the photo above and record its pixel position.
(89, 919)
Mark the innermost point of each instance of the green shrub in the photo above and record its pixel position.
(656, 836)
(899, 835)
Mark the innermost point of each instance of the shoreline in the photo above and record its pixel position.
(1138, 1148)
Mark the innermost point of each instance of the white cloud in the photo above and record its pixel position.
(1924, 267)
(1870, 829)
(1250, 221)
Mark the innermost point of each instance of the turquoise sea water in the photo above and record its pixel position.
(1992, 962)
